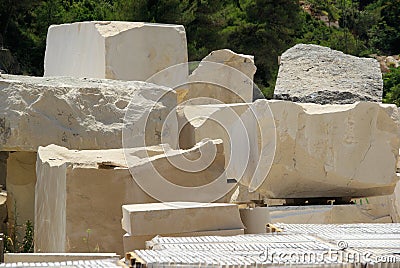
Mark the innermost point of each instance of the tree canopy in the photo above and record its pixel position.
(263, 28)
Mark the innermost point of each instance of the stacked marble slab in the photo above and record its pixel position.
(298, 245)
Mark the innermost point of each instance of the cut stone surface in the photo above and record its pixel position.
(114, 49)
(139, 242)
(321, 150)
(337, 214)
(179, 217)
(77, 113)
(21, 180)
(311, 73)
(333, 150)
(222, 75)
(81, 190)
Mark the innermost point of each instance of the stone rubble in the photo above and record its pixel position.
(63, 166)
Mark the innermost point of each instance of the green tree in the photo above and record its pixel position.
(265, 30)
(391, 86)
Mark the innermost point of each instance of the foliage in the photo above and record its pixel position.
(391, 86)
(86, 240)
(12, 242)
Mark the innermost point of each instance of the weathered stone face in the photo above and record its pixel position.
(321, 150)
(114, 49)
(78, 113)
(316, 74)
(21, 180)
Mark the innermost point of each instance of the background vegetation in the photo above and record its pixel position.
(263, 28)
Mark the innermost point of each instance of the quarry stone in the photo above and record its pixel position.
(312, 73)
(77, 190)
(114, 49)
(77, 113)
(320, 150)
(223, 76)
(179, 217)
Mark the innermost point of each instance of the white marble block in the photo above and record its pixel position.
(179, 217)
(114, 49)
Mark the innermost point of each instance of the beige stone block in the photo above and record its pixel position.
(80, 113)
(139, 242)
(75, 113)
(78, 190)
(318, 150)
(75, 194)
(114, 49)
(21, 180)
(179, 217)
(333, 150)
(223, 76)
(336, 214)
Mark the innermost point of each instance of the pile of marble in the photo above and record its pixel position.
(80, 142)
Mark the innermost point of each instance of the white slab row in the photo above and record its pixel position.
(114, 49)
(312, 150)
(299, 245)
(77, 113)
(179, 217)
(139, 242)
(81, 190)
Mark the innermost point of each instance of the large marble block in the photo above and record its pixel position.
(132, 242)
(317, 151)
(311, 73)
(78, 113)
(80, 190)
(223, 76)
(114, 49)
(75, 113)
